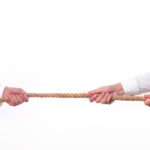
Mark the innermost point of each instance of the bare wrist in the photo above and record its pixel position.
(119, 88)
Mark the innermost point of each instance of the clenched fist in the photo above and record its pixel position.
(16, 95)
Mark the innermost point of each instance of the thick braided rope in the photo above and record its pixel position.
(77, 95)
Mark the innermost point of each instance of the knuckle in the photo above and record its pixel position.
(108, 102)
(103, 101)
(97, 101)
(21, 90)
(90, 100)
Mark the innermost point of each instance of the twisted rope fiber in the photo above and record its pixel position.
(77, 95)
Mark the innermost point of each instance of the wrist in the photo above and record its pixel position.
(119, 88)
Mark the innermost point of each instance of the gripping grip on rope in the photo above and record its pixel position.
(77, 95)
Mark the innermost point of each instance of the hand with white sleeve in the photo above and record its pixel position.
(132, 86)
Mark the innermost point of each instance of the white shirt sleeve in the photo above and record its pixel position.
(137, 85)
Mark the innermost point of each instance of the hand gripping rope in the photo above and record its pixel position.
(77, 95)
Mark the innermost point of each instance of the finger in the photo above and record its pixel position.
(25, 97)
(104, 100)
(24, 94)
(11, 102)
(147, 96)
(114, 94)
(96, 91)
(147, 102)
(109, 98)
(19, 98)
(99, 98)
(16, 99)
(19, 90)
(93, 97)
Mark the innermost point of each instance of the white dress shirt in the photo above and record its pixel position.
(137, 85)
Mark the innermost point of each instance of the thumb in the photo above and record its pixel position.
(147, 102)
(147, 96)
(96, 91)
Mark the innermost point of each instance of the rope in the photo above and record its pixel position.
(77, 95)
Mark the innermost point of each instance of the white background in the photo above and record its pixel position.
(73, 46)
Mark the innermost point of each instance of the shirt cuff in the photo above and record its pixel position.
(131, 86)
(1, 90)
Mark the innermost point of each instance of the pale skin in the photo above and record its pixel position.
(17, 96)
(101, 95)
(104, 94)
